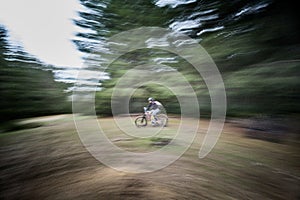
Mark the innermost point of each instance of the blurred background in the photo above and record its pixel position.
(255, 45)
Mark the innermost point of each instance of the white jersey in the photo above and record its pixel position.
(160, 106)
(158, 103)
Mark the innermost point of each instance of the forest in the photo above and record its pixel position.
(61, 136)
(255, 46)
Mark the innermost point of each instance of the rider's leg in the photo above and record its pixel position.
(154, 115)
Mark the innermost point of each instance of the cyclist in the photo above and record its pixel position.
(153, 106)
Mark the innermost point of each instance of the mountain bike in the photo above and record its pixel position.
(142, 120)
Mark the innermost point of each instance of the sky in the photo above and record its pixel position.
(44, 28)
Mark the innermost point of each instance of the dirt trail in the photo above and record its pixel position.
(49, 162)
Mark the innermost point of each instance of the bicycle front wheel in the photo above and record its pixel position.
(140, 122)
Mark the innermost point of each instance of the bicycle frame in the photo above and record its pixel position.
(141, 121)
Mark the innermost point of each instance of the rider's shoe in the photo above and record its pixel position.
(154, 123)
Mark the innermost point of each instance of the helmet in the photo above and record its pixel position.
(150, 99)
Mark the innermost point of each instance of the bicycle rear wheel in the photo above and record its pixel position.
(140, 122)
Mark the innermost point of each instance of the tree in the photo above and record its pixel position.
(27, 87)
(254, 44)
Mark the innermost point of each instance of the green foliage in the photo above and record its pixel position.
(30, 92)
(257, 52)
(266, 88)
(139, 98)
(27, 90)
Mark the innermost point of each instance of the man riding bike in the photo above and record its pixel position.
(153, 106)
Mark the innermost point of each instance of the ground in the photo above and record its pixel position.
(50, 162)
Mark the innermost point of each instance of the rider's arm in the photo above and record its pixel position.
(149, 106)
